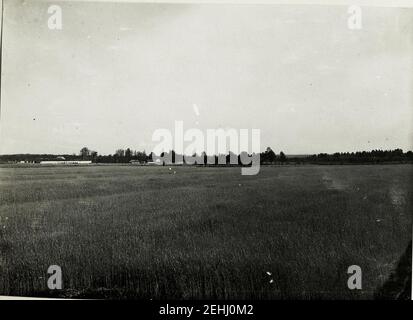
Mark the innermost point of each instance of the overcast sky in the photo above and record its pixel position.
(117, 72)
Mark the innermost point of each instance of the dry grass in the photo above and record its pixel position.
(144, 232)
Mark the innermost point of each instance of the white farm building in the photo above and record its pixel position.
(66, 162)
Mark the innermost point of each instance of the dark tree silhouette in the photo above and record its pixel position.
(268, 156)
(84, 152)
(128, 155)
(94, 155)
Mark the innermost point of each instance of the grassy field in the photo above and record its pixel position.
(147, 232)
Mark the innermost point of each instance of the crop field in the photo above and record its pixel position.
(290, 232)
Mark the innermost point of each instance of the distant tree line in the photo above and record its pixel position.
(374, 156)
(128, 155)
(267, 157)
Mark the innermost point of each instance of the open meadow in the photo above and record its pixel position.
(202, 232)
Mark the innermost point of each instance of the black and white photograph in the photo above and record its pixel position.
(196, 150)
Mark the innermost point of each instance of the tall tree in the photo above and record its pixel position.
(269, 155)
(120, 153)
(84, 152)
(128, 154)
(94, 155)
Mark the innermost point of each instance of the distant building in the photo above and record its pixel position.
(66, 162)
(157, 162)
(137, 162)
